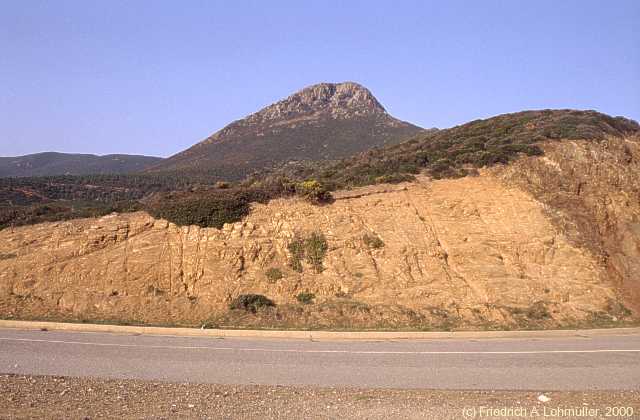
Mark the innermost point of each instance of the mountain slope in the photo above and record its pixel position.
(324, 121)
(53, 163)
(452, 152)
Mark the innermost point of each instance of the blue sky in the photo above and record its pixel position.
(155, 77)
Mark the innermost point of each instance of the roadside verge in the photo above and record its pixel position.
(310, 335)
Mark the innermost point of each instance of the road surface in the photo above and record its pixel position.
(609, 362)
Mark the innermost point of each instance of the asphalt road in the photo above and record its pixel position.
(610, 362)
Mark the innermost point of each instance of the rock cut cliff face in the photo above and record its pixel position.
(545, 242)
(591, 192)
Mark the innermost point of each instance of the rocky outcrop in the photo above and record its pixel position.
(338, 100)
(477, 252)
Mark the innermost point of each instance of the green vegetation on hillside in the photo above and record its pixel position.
(296, 249)
(313, 191)
(450, 153)
(312, 248)
(305, 298)
(53, 163)
(52, 211)
(251, 303)
(315, 248)
(273, 274)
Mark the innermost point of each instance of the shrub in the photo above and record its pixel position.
(251, 303)
(273, 274)
(394, 178)
(305, 298)
(211, 210)
(315, 247)
(313, 191)
(296, 248)
(441, 168)
(221, 185)
(538, 311)
(216, 206)
(372, 241)
(61, 210)
(615, 308)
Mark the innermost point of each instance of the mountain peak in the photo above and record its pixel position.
(346, 96)
(338, 100)
(322, 121)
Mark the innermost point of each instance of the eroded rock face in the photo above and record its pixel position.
(592, 193)
(469, 253)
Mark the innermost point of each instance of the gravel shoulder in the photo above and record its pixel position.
(87, 398)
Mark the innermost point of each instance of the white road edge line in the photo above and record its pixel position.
(266, 350)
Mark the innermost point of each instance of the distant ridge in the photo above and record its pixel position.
(323, 121)
(54, 163)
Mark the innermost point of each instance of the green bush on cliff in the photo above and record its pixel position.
(296, 249)
(315, 247)
(394, 178)
(305, 298)
(312, 249)
(217, 206)
(538, 311)
(61, 210)
(251, 302)
(273, 274)
(313, 191)
(202, 211)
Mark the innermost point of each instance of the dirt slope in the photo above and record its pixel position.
(518, 246)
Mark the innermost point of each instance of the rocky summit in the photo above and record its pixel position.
(343, 100)
(323, 121)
